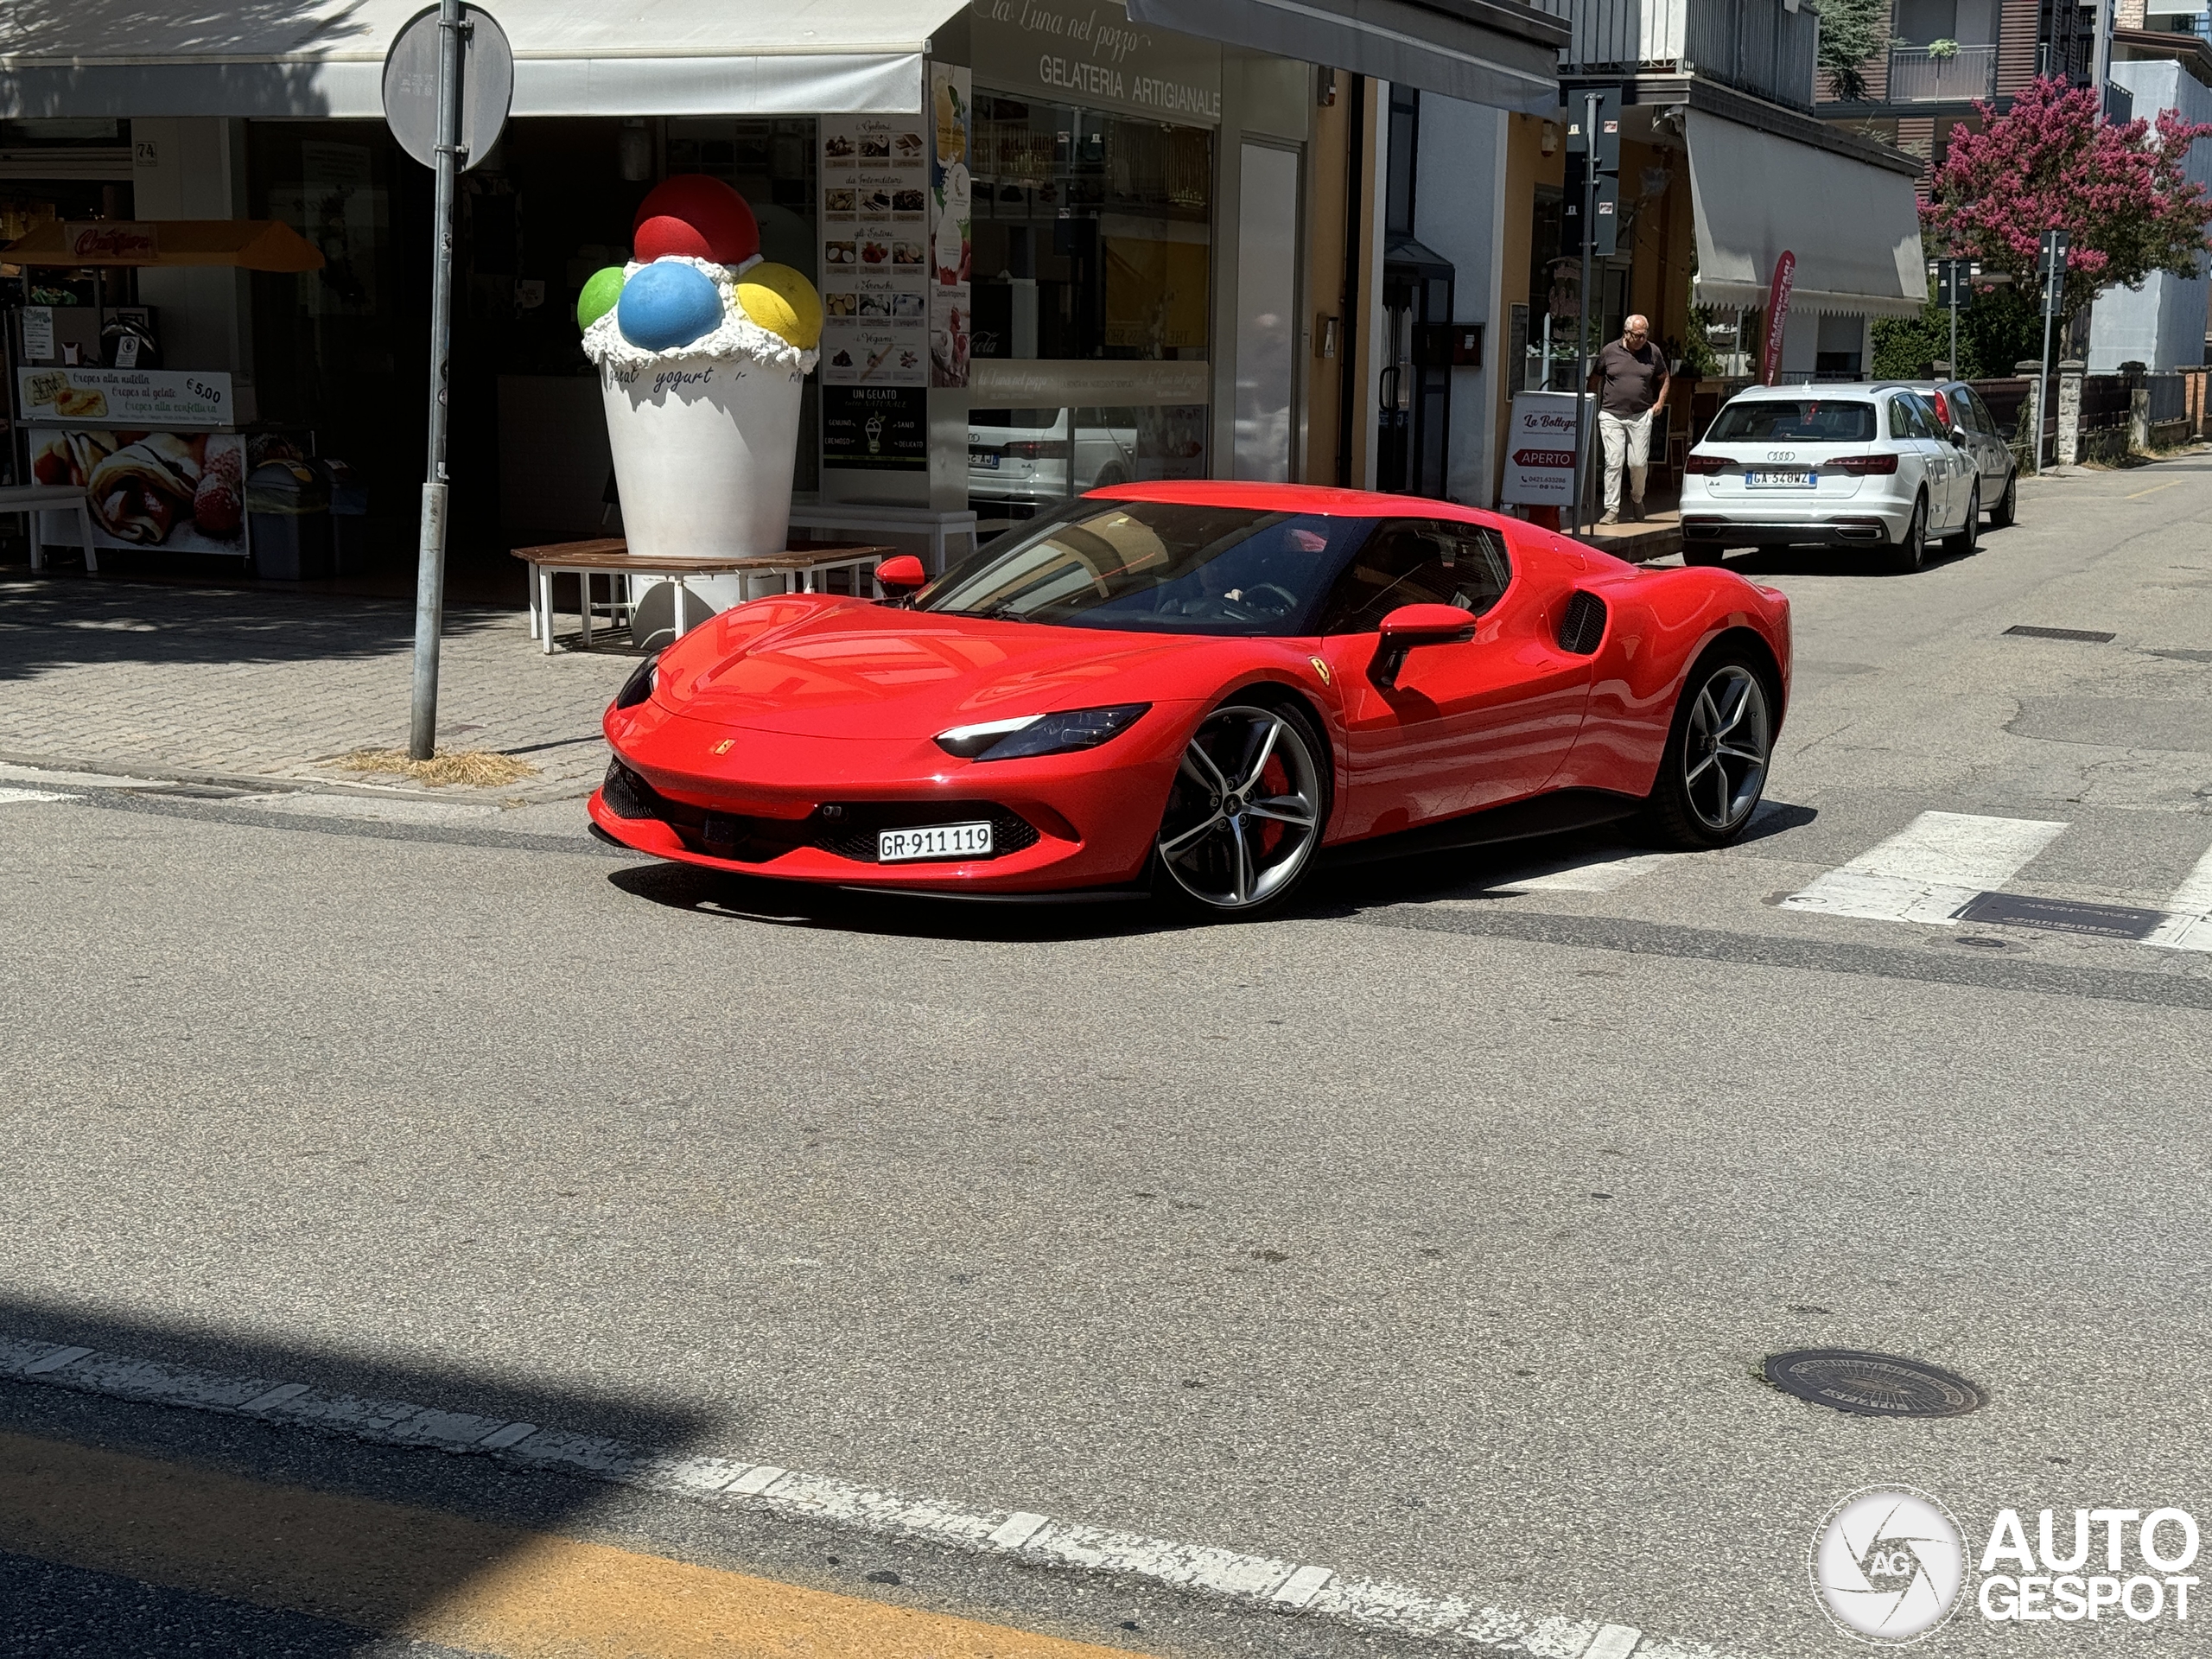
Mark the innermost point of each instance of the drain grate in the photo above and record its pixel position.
(2061, 916)
(2088, 636)
(1872, 1385)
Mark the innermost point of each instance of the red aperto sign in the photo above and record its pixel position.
(1778, 313)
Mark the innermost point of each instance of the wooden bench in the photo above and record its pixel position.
(800, 570)
(32, 500)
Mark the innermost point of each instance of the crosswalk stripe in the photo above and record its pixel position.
(1606, 875)
(2187, 926)
(1929, 869)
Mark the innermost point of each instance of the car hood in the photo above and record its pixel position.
(808, 666)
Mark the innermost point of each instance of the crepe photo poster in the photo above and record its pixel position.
(950, 207)
(181, 492)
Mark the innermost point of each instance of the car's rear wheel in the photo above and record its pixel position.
(1245, 814)
(1715, 766)
(2008, 506)
(1910, 552)
(1963, 541)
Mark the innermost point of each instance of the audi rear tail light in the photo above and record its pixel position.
(1708, 464)
(1862, 466)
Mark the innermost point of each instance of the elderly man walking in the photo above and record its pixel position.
(1630, 379)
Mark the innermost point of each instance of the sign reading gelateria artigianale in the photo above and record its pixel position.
(1088, 52)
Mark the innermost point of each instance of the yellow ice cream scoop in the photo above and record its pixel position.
(783, 303)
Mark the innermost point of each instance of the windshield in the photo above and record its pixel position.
(1164, 566)
(1760, 420)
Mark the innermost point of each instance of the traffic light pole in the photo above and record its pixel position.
(1590, 101)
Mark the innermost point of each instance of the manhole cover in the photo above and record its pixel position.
(2088, 636)
(1872, 1385)
(2061, 916)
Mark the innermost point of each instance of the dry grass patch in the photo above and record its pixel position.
(477, 768)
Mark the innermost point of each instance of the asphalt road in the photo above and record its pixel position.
(1436, 1232)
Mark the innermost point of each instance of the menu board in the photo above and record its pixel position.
(951, 97)
(875, 251)
(171, 397)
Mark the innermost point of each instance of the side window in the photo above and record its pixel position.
(1978, 414)
(1417, 561)
(1920, 419)
(1900, 417)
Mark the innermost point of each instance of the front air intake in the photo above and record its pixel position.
(1585, 624)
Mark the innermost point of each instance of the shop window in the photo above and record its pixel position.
(1092, 233)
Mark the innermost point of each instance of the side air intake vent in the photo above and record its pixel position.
(1585, 624)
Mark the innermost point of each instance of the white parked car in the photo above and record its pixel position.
(1864, 466)
(1021, 455)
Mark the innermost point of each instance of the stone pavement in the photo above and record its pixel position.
(248, 685)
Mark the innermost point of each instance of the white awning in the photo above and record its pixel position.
(1504, 55)
(308, 58)
(1853, 226)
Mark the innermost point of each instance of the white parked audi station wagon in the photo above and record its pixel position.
(1855, 466)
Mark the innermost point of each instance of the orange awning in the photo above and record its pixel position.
(242, 244)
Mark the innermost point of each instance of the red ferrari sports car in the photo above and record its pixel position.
(1200, 688)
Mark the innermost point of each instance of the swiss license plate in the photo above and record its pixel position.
(1768, 478)
(984, 459)
(934, 840)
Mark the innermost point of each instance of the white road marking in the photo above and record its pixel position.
(16, 796)
(1604, 875)
(1613, 1642)
(2187, 926)
(1311, 1590)
(13, 773)
(1929, 870)
(1301, 1587)
(1016, 1531)
(275, 1396)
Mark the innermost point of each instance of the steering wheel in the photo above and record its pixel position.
(1252, 611)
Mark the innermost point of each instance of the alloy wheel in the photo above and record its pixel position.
(1725, 747)
(1244, 815)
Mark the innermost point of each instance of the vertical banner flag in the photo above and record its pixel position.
(1778, 313)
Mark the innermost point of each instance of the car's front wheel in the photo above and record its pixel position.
(1714, 769)
(1246, 812)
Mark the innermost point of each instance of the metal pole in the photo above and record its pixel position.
(1954, 286)
(430, 559)
(2043, 385)
(1590, 101)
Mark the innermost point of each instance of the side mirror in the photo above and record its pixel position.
(900, 575)
(1416, 624)
(1959, 436)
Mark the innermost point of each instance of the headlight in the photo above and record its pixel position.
(640, 685)
(1035, 734)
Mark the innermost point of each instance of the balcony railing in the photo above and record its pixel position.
(1917, 76)
(1755, 46)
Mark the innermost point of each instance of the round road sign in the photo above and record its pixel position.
(411, 86)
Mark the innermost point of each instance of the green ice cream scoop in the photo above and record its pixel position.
(599, 295)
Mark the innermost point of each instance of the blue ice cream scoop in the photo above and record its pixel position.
(668, 303)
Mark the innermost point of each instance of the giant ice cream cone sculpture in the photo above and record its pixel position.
(701, 349)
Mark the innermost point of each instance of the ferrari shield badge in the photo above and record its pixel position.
(1320, 668)
(723, 747)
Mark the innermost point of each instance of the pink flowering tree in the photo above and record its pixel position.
(2051, 162)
